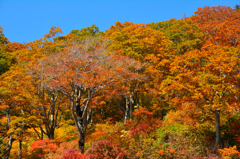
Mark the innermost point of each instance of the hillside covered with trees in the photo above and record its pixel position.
(139, 91)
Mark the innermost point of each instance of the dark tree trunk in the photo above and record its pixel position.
(20, 149)
(217, 141)
(51, 135)
(79, 113)
(81, 142)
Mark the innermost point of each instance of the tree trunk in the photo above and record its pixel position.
(137, 99)
(131, 102)
(79, 114)
(51, 134)
(81, 141)
(9, 146)
(137, 96)
(20, 149)
(217, 141)
(126, 111)
(10, 137)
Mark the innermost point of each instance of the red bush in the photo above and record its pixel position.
(104, 149)
(73, 154)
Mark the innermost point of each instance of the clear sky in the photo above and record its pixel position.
(29, 20)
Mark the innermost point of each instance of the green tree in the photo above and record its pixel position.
(4, 59)
(184, 34)
(237, 8)
(87, 32)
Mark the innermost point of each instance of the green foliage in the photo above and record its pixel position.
(237, 7)
(87, 32)
(179, 138)
(231, 130)
(4, 62)
(2, 147)
(184, 34)
(3, 39)
(144, 146)
(172, 130)
(4, 58)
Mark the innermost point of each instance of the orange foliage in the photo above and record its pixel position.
(230, 152)
(14, 46)
(46, 146)
(161, 152)
(53, 31)
(143, 122)
(220, 23)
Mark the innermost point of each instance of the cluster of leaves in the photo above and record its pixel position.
(43, 147)
(230, 152)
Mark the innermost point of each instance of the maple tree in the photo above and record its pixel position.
(39, 96)
(45, 146)
(220, 23)
(137, 40)
(16, 90)
(11, 100)
(80, 72)
(147, 45)
(207, 79)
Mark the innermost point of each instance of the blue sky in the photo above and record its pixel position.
(29, 20)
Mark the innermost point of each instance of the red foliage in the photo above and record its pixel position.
(73, 154)
(104, 149)
(45, 146)
(142, 128)
(143, 122)
(142, 112)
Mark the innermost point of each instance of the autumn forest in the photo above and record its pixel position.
(165, 90)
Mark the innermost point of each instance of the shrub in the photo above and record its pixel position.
(104, 149)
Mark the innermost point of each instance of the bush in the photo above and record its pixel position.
(104, 149)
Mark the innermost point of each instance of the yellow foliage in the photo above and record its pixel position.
(66, 132)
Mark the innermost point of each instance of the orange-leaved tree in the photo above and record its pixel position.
(209, 79)
(147, 45)
(16, 88)
(82, 72)
(12, 99)
(220, 23)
